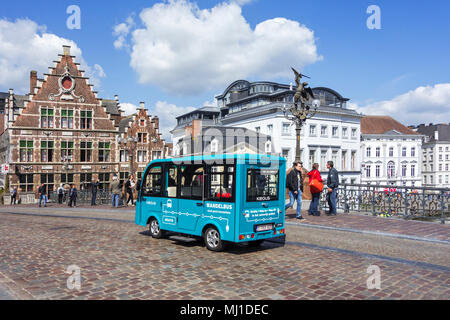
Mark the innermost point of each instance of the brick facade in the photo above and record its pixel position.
(64, 133)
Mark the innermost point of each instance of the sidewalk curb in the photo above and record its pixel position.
(376, 233)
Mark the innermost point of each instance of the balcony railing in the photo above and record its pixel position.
(396, 201)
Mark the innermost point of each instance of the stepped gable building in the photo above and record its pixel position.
(391, 152)
(62, 132)
(140, 136)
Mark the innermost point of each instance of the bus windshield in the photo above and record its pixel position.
(262, 184)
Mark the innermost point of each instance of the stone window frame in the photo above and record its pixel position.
(28, 150)
(49, 149)
(47, 117)
(87, 118)
(68, 116)
(104, 146)
(65, 148)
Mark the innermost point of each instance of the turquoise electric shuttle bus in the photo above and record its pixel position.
(220, 198)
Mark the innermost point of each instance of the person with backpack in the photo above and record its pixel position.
(294, 183)
(60, 192)
(316, 187)
(115, 192)
(13, 196)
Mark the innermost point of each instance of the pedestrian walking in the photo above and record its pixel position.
(294, 183)
(60, 192)
(316, 187)
(42, 191)
(73, 194)
(332, 185)
(13, 196)
(129, 188)
(115, 192)
(94, 187)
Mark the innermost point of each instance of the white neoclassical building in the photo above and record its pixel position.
(391, 153)
(435, 154)
(332, 134)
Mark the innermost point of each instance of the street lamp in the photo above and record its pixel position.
(297, 112)
(131, 142)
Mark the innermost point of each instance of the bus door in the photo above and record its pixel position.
(169, 206)
(261, 210)
(191, 201)
(220, 198)
(151, 192)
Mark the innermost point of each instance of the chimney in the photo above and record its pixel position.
(436, 135)
(66, 50)
(156, 121)
(33, 81)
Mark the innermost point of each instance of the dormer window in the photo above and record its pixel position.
(214, 145)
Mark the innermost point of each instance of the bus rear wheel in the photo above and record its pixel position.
(155, 230)
(213, 240)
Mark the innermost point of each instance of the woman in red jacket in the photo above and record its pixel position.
(314, 206)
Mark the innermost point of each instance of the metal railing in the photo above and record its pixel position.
(393, 201)
(85, 197)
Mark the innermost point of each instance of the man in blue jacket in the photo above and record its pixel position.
(332, 184)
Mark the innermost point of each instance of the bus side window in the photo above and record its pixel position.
(171, 181)
(152, 182)
(191, 181)
(221, 183)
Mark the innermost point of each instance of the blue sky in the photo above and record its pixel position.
(377, 69)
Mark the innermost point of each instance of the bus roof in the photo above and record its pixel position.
(241, 157)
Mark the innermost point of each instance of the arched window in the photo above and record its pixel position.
(391, 169)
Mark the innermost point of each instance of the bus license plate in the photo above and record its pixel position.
(264, 227)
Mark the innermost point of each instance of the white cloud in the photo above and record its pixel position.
(167, 114)
(128, 108)
(425, 104)
(121, 31)
(165, 111)
(26, 46)
(187, 50)
(99, 71)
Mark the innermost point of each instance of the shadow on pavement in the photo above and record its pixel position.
(233, 248)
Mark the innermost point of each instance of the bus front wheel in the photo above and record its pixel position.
(213, 240)
(155, 230)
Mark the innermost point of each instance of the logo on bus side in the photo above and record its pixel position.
(219, 206)
(255, 215)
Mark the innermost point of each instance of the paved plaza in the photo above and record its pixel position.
(321, 258)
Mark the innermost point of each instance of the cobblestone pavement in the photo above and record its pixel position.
(430, 230)
(119, 260)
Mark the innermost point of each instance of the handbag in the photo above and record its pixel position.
(316, 185)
